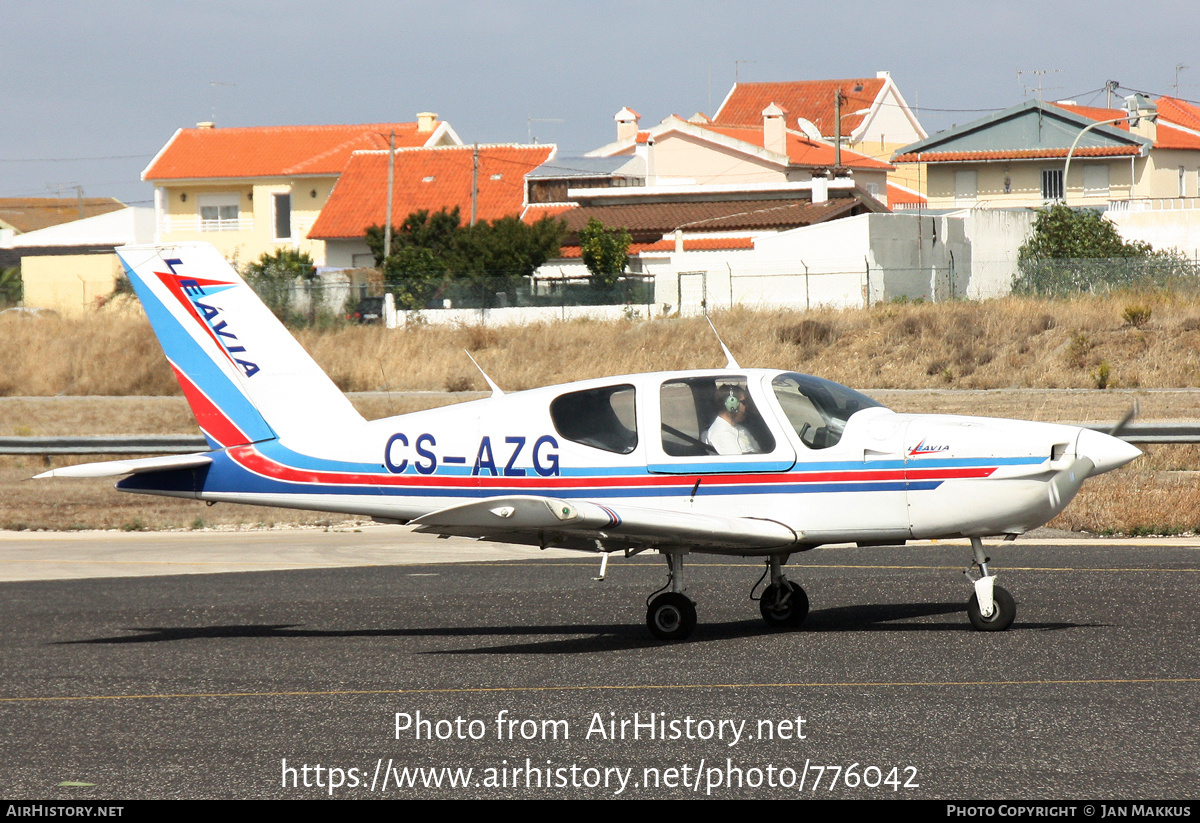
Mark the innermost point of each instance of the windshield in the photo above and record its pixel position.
(817, 408)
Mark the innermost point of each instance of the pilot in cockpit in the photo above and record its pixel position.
(727, 434)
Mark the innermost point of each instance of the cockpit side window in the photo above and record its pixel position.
(817, 408)
(711, 416)
(602, 418)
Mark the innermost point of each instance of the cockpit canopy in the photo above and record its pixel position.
(817, 408)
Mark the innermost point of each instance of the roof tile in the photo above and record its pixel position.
(431, 179)
(648, 222)
(1014, 154)
(689, 244)
(810, 99)
(272, 151)
(26, 214)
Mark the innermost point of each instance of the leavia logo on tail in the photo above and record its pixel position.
(189, 291)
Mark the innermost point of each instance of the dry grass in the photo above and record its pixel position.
(989, 344)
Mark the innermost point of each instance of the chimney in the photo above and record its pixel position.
(820, 188)
(627, 124)
(426, 121)
(1144, 114)
(206, 124)
(774, 130)
(643, 147)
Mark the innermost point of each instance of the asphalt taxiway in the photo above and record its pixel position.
(363, 672)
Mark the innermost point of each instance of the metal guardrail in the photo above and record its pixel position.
(1139, 433)
(105, 444)
(1136, 433)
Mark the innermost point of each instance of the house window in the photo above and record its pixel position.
(966, 188)
(1095, 180)
(218, 212)
(283, 216)
(1182, 183)
(1052, 184)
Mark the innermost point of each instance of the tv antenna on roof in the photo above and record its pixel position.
(531, 120)
(213, 107)
(1039, 87)
(1178, 68)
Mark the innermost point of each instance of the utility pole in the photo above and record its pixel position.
(387, 229)
(474, 182)
(838, 97)
(1110, 87)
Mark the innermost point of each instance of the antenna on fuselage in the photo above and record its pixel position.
(731, 363)
(496, 390)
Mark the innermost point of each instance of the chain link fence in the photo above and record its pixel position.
(1055, 278)
(339, 296)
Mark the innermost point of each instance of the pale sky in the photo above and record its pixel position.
(91, 91)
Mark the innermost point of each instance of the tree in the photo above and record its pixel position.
(605, 253)
(1079, 250)
(11, 286)
(276, 274)
(436, 251)
(421, 257)
(1060, 232)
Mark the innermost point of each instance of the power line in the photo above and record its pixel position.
(71, 159)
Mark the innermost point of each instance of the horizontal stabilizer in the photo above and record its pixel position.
(541, 519)
(117, 468)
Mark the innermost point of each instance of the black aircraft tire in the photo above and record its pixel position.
(1003, 614)
(790, 615)
(671, 616)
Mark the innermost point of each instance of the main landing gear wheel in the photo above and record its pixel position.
(671, 616)
(1004, 611)
(784, 608)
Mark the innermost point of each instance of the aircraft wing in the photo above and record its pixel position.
(583, 524)
(116, 468)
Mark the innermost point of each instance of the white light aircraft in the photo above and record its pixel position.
(727, 461)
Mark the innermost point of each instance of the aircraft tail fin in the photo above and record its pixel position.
(244, 375)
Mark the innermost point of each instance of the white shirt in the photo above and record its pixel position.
(730, 438)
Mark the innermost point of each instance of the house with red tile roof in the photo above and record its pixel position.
(699, 152)
(254, 190)
(875, 119)
(19, 215)
(1017, 157)
(486, 180)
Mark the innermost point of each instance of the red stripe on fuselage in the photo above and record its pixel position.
(250, 458)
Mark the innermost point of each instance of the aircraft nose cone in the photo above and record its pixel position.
(1105, 451)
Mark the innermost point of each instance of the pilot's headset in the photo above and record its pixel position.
(732, 401)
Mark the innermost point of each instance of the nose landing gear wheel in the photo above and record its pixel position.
(671, 616)
(784, 610)
(1004, 611)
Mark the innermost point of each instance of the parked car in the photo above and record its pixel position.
(368, 310)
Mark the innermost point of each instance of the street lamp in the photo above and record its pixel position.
(1085, 130)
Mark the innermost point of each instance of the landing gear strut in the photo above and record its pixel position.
(784, 605)
(991, 608)
(671, 615)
